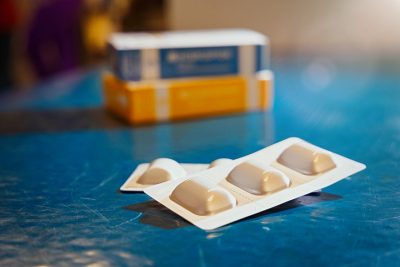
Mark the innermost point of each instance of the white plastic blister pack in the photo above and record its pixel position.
(239, 188)
(163, 170)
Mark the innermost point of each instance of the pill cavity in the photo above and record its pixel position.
(201, 198)
(162, 170)
(219, 162)
(306, 161)
(257, 178)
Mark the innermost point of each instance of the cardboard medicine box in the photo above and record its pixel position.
(175, 99)
(180, 54)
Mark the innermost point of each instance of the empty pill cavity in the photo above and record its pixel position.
(306, 161)
(162, 170)
(257, 178)
(219, 162)
(201, 198)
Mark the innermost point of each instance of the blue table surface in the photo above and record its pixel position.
(63, 159)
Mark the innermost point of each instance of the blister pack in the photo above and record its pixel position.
(248, 185)
(162, 170)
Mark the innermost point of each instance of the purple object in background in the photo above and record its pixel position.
(53, 37)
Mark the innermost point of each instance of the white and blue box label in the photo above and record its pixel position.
(184, 55)
(188, 62)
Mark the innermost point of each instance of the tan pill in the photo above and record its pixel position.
(201, 198)
(306, 161)
(219, 162)
(162, 170)
(256, 178)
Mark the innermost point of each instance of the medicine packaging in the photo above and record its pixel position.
(162, 170)
(179, 54)
(248, 185)
(175, 99)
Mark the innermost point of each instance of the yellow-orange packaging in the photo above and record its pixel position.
(163, 100)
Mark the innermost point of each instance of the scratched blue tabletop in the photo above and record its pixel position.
(63, 158)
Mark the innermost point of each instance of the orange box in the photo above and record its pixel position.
(162, 100)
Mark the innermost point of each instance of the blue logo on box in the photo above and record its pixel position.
(201, 61)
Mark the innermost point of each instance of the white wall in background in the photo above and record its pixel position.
(369, 27)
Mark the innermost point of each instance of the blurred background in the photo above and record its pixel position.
(43, 38)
